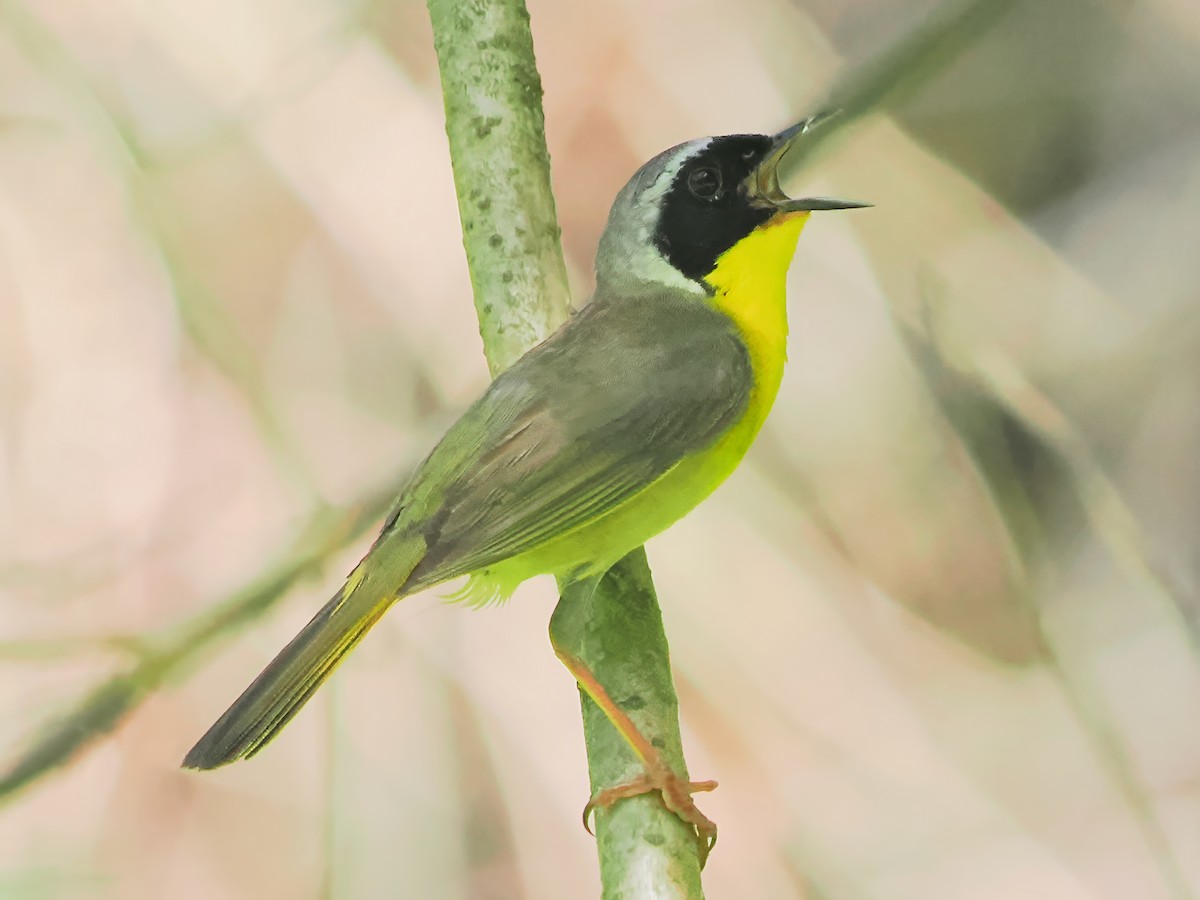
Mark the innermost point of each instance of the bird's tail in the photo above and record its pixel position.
(285, 685)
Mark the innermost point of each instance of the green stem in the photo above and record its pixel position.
(493, 97)
(616, 629)
(494, 122)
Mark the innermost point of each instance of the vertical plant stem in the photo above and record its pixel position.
(616, 628)
(493, 97)
(494, 121)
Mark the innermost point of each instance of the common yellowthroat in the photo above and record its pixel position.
(598, 438)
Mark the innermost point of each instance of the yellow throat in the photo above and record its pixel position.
(750, 286)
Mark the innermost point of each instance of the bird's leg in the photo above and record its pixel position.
(676, 792)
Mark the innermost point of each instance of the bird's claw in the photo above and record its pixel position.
(676, 796)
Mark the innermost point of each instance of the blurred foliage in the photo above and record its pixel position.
(937, 638)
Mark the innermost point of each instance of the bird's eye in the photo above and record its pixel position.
(705, 182)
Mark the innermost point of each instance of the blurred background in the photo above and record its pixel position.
(936, 639)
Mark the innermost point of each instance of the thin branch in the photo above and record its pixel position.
(165, 656)
(899, 71)
(994, 409)
(494, 120)
(493, 98)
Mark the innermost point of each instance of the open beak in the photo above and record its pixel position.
(763, 183)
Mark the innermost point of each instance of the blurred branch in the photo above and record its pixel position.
(494, 121)
(168, 654)
(995, 411)
(205, 322)
(1109, 516)
(976, 384)
(1023, 448)
(899, 71)
(130, 645)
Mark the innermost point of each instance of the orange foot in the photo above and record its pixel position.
(676, 796)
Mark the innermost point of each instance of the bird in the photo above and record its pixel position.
(595, 440)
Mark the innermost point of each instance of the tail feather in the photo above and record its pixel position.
(284, 686)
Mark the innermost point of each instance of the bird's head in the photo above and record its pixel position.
(691, 204)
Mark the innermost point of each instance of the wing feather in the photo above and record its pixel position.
(577, 427)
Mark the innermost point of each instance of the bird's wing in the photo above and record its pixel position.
(578, 426)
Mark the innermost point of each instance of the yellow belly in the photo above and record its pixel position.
(749, 286)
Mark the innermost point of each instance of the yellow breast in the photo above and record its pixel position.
(750, 282)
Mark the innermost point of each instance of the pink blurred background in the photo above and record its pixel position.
(232, 289)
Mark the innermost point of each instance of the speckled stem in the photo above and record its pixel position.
(494, 121)
(646, 852)
(493, 98)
